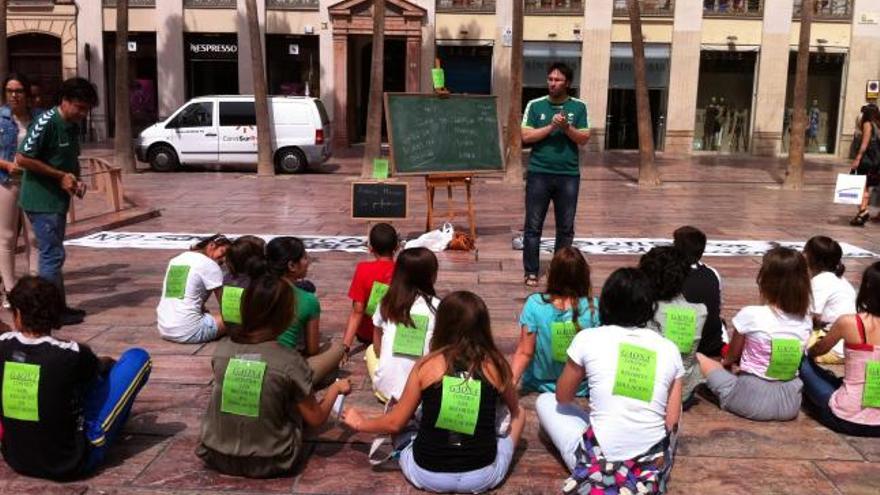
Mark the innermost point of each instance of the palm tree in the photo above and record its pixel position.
(514, 173)
(265, 167)
(123, 152)
(373, 146)
(648, 173)
(4, 50)
(794, 176)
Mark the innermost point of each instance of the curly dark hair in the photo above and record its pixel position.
(667, 268)
(39, 304)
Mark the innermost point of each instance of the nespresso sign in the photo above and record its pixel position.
(214, 51)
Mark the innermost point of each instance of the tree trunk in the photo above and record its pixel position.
(514, 173)
(122, 145)
(648, 173)
(373, 146)
(794, 176)
(265, 167)
(4, 46)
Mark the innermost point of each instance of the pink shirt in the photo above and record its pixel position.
(846, 402)
(760, 325)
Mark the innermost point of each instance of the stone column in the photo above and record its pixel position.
(245, 75)
(863, 65)
(595, 67)
(428, 48)
(89, 30)
(501, 55)
(340, 95)
(327, 76)
(772, 78)
(169, 55)
(414, 63)
(684, 76)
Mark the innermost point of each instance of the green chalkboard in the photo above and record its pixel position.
(433, 135)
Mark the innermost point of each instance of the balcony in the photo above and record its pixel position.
(733, 8)
(466, 6)
(828, 10)
(132, 3)
(210, 4)
(648, 8)
(554, 7)
(292, 4)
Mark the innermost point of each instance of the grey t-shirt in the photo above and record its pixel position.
(270, 443)
(692, 375)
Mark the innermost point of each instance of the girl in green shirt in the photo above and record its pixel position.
(287, 258)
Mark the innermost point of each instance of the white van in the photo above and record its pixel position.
(223, 129)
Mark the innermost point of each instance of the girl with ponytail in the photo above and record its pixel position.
(286, 258)
(833, 295)
(263, 392)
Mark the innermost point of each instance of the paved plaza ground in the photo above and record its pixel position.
(729, 198)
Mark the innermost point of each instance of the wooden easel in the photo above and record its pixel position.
(433, 181)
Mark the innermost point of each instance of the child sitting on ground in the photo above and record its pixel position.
(369, 284)
(246, 260)
(62, 406)
(850, 405)
(675, 318)
(833, 295)
(551, 320)
(262, 391)
(404, 322)
(767, 342)
(190, 279)
(702, 286)
(459, 387)
(287, 258)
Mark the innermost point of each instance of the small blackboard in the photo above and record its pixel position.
(379, 200)
(432, 135)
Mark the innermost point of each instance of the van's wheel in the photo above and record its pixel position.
(290, 161)
(162, 158)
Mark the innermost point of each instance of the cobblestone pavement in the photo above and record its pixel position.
(730, 198)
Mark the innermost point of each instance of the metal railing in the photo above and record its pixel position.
(292, 4)
(466, 6)
(210, 4)
(554, 7)
(733, 8)
(652, 8)
(828, 9)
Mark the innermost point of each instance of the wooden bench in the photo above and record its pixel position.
(100, 177)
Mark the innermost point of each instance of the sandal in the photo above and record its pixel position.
(860, 219)
(531, 280)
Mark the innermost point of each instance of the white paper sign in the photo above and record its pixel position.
(132, 46)
(293, 49)
(849, 189)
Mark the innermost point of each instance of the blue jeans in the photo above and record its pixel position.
(540, 190)
(819, 385)
(49, 231)
(109, 400)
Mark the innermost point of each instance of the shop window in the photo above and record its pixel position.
(237, 113)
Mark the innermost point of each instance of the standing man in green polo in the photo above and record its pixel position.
(49, 155)
(555, 125)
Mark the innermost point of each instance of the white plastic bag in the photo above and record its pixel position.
(435, 240)
(849, 189)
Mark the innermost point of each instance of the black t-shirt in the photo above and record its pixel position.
(54, 445)
(703, 286)
(443, 451)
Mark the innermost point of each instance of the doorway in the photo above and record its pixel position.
(38, 56)
(360, 53)
(211, 64)
(623, 129)
(621, 124)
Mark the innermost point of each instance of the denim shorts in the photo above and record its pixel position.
(476, 481)
(205, 331)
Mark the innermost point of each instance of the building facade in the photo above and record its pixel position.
(720, 72)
